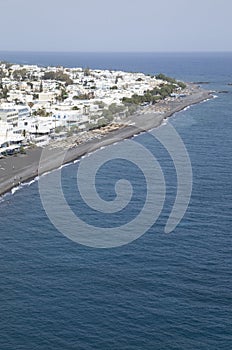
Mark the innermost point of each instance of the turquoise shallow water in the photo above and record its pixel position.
(160, 291)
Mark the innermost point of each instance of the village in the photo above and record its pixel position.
(39, 105)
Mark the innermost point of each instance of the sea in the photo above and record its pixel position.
(161, 291)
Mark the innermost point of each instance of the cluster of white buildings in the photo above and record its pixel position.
(33, 109)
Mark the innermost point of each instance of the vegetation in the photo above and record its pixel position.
(103, 122)
(83, 97)
(171, 80)
(100, 124)
(41, 112)
(156, 94)
(100, 104)
(30, 104)
(63, 95)
(60, 76)
(22, 150)
(72, 130)
(107, 115)
(181, 85)
(4, 92)
(7, 64)
(2, 74)
(20, 74)
(148, 97)
(86, 72)
(59, 129)
(113, 109)
(131, 109)
(35, 96)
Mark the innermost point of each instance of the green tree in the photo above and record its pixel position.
(5, 92)
(41, 86)
(87, 72)
(100, 104)
(30, 104)
(59, 75)
(63, 95)
(20, 74)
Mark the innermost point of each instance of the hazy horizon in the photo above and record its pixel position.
(109, 26)
(121, 52)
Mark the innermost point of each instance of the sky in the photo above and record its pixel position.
(116, 25)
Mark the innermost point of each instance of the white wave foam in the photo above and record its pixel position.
(47, 173)
(164, 122)
(30, 182)
(65, 165)
(208, 99)
(89, 154)
(60, 167)
(19, 187)
(15, 189)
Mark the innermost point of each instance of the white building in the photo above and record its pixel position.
(9, 115)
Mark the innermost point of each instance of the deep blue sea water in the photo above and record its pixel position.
(159, 292)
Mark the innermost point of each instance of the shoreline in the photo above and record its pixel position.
(15, 170)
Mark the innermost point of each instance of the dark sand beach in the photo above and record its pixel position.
(24, 167)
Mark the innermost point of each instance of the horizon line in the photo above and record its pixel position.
(115, 52)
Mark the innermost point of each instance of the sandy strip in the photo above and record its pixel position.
(22, 168)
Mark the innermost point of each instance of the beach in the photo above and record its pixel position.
(22, 168)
